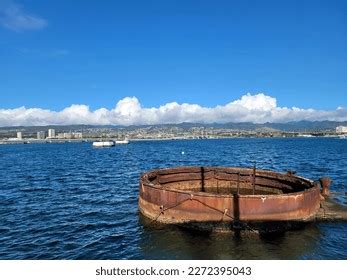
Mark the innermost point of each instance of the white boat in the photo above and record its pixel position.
(342, 137)
(103, 144)
(125, 141)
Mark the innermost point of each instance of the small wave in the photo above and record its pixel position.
(35, 189)
(83, 204)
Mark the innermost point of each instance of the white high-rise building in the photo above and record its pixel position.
(51, 133)
(341, 129)
(77, 135)
(41, 135)
(19, 135)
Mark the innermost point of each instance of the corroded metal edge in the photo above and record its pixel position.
(177, 206)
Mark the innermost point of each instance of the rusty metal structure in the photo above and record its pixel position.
(230, 195)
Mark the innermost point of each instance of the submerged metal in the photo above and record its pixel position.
(226, 194)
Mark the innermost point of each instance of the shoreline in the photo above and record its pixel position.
(89, 140)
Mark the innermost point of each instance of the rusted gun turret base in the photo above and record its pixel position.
(235, 198)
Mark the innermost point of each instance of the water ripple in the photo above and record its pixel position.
(70, 201)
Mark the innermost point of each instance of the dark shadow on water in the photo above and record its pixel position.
(159, 241)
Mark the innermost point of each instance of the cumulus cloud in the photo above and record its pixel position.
(14, 17)
(257, 108)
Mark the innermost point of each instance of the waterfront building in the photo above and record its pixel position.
(77, 135)
(70, 135)
(341, 129)
(64, 135)
(19, 135)
(41, 135)
(51, 133)
(60, 135)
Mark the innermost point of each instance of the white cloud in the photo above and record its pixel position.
(14, 17)
(257, 102)
(257, 108)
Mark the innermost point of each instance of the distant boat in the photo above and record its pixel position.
(103, 143)
(125, 141)
(342, 137)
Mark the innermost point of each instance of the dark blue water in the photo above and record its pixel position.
(70, 201)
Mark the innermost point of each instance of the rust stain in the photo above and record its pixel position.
(212, 194)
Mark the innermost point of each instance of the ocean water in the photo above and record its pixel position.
(72, 201)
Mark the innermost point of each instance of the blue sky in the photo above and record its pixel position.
(57, 53)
